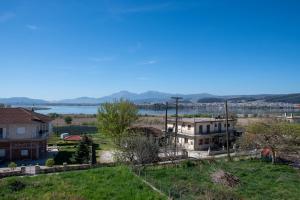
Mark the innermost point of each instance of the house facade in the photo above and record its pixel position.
(23, 134)
(202, 133)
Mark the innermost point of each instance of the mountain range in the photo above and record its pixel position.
(157, 97)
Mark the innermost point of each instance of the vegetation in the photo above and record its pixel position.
(278, 137)
(115, 118)
(12, 165)
(64, 156)
(82, 153)
(258, 180)
(68, 120)
(53, 115)
(94, 184)
(50, 162)
(138, 149)
(74, 129)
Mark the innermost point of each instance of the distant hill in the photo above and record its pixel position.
(145, 97)
(22, 101)
(158, 97)
(288, 98)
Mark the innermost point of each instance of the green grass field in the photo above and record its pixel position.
(259, 180)
(101, 183)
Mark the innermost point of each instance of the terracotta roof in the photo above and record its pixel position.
(21, 116)
(73, 138)
(148, 130)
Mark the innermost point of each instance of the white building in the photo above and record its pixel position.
(202, 133)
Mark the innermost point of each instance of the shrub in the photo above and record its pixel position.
(12, 165)
(64, 156)
(50, 162)
(188, 164)
(75, 129)
(16, 186)
(68, 120)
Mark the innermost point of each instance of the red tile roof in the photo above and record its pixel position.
(21, 116)
(73, 138)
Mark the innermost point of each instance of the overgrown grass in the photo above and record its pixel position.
(259, 180)
(102, 183)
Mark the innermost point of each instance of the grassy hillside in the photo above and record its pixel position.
(258, 180)
(102, 183)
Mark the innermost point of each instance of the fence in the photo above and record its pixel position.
(13, 172)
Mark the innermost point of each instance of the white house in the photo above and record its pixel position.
(202, 133)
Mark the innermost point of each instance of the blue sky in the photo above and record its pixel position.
(63, 49)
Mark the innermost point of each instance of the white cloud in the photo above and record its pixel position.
(6, 16)
(142, 78)
(102, 59)
(143, 8)
(32, 27)
(135, 48)
(148, 62)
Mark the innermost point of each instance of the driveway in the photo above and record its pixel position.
(106, 156)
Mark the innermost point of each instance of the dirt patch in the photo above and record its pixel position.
(225, 178)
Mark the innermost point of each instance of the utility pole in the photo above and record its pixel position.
(166, 118)
(167, 142)
(176, 121)
(227, 132)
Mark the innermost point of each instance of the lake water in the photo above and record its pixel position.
(201, 110)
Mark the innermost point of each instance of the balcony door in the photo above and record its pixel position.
(219, 127)
(2, 133)
(200, 129)
(208, 129)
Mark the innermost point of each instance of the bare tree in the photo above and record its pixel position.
(138, 149)
(278, 137)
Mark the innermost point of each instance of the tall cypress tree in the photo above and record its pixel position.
(82, 153)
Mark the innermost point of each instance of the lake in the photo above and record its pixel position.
(201, 110)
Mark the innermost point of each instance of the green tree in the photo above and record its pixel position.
(82, 153)
(50, 162)
(12, 165)
(278, 137)
(115, 118)
(68, 120)
(53, 115)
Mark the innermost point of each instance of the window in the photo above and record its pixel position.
(216, 125)
(2, 152)
(186, 140)
(21, 130)
(183, 125)
(200, 142)
(228, 125)
(207, 141)
(219, 127)
(200, 129)
(24, 152)
(208, 128)
(189, 127)
(1, 133)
